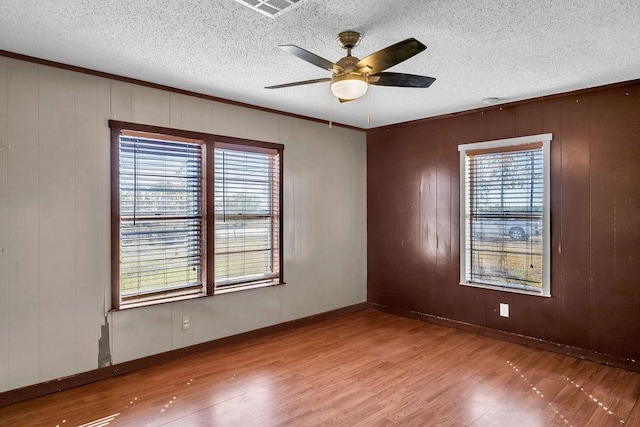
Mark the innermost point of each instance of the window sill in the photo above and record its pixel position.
(232, 289)
(229, 290)
(506, 289)
(150, 303)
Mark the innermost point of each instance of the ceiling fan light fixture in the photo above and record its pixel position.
(351, 75)
(349, 86)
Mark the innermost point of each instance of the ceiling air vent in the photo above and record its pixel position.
(272, 8)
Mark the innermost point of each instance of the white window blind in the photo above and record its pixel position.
(161, 218)
(506, 218)
(247, 222)
(504, 240)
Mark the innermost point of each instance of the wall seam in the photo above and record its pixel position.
(590, 333)
(8, 248)
(39, 234)
(75, 217)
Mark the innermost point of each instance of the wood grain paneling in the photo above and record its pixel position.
(615, 194)
(189, 113)
(252, 124)
(102, 276)
(140, 332)
(24, 225)
(574, 225)
(57, 218)
(500, 123)
(595, 219)
(151, 106)
(4, 227)
(397, 238)
(318, 205)
(549, 307)
(85, 160)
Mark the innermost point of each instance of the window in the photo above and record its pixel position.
(246, 216)
(161, 217)
(192, 214)
(504, 214)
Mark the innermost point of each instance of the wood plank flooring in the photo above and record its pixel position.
(364, 369)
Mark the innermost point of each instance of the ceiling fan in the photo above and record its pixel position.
(352, 76)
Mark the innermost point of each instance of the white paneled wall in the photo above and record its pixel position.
(23, 206)
(4, 231)
(55, 222)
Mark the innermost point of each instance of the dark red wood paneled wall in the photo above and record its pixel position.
(413, 219)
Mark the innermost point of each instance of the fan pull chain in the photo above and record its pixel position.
(330, 112)
(369, 106)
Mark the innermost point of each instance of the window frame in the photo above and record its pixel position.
(274, 217)
(209, 143)
(499, 146)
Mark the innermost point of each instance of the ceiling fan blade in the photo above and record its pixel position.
(342, 100)
(400, 80)
(311, 58)
(390, 56)
(305, 82)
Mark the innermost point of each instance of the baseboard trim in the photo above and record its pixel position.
(580, 353)
(36, 390)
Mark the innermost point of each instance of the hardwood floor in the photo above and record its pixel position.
(367, 368)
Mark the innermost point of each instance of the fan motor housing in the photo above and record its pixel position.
(348, 64)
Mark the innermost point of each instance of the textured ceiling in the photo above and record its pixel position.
(509, 49)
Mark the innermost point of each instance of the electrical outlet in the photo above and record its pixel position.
(504, 310)
(186, 323)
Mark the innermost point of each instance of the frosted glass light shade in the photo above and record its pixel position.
(349, 86)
